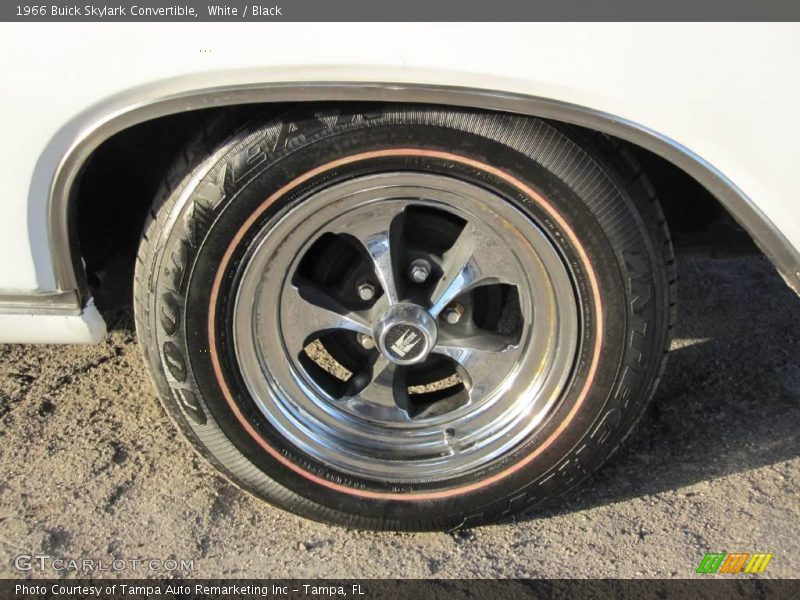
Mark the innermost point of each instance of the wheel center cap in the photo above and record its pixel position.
(405, 334)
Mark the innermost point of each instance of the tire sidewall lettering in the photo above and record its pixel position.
(226, 181)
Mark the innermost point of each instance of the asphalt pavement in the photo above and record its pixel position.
(90, 467)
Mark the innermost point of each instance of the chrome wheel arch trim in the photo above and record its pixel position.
(86, 132)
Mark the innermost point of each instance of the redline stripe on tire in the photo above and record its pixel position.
(421, 496)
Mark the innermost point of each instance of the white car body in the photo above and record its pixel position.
(719, 100)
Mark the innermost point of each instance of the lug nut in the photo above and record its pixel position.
(366, 291)
(453, 313)
(366, 342)
(419, 270)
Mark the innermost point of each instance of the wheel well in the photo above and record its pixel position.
(117, 186)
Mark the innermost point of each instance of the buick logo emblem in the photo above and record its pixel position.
(405, 334)
(405, 342)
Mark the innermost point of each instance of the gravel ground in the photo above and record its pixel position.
(91, 467)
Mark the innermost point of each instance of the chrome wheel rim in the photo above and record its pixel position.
(485, 293)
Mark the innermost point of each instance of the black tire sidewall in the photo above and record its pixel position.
(619, 253)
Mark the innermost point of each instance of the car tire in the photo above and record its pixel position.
(404, 317)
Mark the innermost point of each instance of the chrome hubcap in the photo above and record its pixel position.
(406, 333)
(405, 327)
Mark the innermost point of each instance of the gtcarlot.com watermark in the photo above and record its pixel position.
(45, 563)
